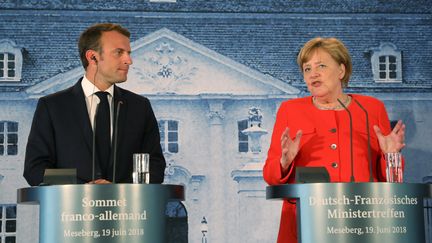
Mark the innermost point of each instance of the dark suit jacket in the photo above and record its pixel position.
(61, 136)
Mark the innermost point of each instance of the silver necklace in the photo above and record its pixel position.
(346, 102)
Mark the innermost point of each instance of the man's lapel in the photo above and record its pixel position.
(81, 114)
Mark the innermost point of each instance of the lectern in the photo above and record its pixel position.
(132, 213)
(357, 212)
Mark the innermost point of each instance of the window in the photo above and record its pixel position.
(10, 61)
(7, 65)
(8, 223)
(8, 138)
(387, 64)
(176, 228)
(387, 67)
(168, 130)
(243, 145)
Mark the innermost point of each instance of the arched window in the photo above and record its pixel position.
(387, 64)
(169, 130)
(176, 218)
(10, 61)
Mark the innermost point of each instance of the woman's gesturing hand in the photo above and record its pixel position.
(393, 142)
(289, 148)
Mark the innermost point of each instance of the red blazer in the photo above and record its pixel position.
(325, 142)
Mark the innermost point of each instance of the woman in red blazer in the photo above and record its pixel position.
(315, 130)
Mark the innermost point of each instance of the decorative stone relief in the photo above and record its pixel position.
(216, 112)
(166, 69)
(254, 131)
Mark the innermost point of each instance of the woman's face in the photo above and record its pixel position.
(323, 75)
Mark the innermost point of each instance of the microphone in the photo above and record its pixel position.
(94, 144)
(114, 146)
(368, 141)
(351, 142)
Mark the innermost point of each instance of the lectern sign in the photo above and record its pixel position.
(357, 212)
(112, 216)
(102, 213)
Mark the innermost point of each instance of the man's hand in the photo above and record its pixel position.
(100, 181)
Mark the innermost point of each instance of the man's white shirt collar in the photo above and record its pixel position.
(89, 88)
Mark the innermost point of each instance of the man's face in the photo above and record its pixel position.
(115, 59)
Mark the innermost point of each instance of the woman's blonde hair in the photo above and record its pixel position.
(332, 46)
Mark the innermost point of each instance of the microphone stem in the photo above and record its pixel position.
(115, 140)
(351, 140)
(94, 145)
(369, 143)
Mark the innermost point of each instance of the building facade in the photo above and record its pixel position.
(212, 70)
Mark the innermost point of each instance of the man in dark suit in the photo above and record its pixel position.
(61, 135)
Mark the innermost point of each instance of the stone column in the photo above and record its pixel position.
(217, 179)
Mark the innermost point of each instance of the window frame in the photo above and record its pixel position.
(386, 50)
(5, 145)
(240, 133)
(4, 219)
(165, 144)
(9, 47)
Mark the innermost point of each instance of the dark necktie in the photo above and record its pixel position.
(103, 132)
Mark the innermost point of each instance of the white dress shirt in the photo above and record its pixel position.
(92, 100)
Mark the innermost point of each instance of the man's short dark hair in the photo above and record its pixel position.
(90, 38)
